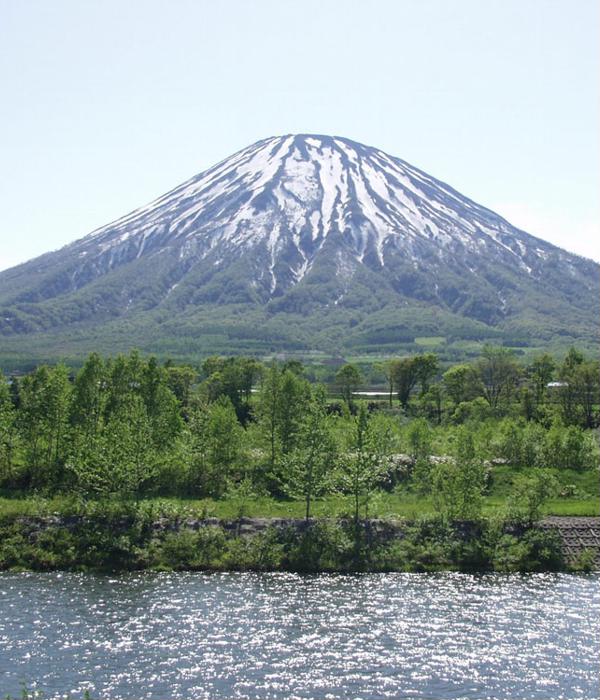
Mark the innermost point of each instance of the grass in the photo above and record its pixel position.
(588, 507)
(399, 504)
(580, 489)
(430, 341)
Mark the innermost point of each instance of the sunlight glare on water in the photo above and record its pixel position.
(245, 635)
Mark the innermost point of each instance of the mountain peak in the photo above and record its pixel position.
(297, 190)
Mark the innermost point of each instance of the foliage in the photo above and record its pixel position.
(458, 483)
(348, 378)
(309, 468)
(363, 466)
(530, 492)
(244, 436)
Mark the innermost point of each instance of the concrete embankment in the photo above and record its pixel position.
(577, 534)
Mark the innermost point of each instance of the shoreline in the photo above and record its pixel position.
(128, 541)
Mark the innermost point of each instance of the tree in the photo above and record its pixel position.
(405, 374)
(161, 404)
(573, 359)
(8, 430)
(461, 383)
(295, 393)
(540, 373)
(426, 367)
(281, 404)
(58, 406)
(579, 389)
(528, 405)
(387, 369)
(348, 378)
(215, 443)
(458, 484)
(45, 397)
(433, 403)
(121, 460)
(268, 408)
(294, 366)
(363, 466)
(125, 376)
(530, 492)
(498, 372)
(233, 377)
(180, 380)
(251, 371)
(90, 395)
(587, 386)
(310, 466)
(420, 440)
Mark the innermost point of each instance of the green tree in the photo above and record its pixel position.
(294, 397)
(215, 446)
(121, 460)
(309, 469)
(180, 380)
(280, 407)
(433, 403)
(461, 383)
(498, 372)
(269, 414)
(363, 466)
(568, 387)
(458, 484)
(579, 391)
(420, 439)
(540, 373)
(161, 404)
(8, 430)
(90, 395)
(45, 397)
(348, 378)
(405, 374)
(529, 494)
(387, 369)
(426, 367)
(233, 377)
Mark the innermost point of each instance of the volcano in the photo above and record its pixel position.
(305, 243)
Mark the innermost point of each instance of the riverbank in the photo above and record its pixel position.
(129, 537)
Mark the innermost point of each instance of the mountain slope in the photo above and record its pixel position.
(290, 237)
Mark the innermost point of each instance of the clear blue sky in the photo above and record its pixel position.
(108, 104)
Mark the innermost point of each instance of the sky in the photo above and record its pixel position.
(105, 105)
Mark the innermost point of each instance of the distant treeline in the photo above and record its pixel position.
(130, 427)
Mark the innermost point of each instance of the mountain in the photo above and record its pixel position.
(304, 243)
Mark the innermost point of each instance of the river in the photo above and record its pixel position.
(246, 635)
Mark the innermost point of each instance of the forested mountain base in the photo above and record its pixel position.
(488, 442)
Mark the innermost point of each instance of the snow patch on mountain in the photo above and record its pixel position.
(288, 195)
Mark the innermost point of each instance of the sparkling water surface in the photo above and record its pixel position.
(245, 635)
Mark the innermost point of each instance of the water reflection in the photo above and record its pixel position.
(285, 636)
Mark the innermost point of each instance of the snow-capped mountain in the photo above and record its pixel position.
(300, 223)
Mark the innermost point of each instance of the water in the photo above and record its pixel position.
(167, 636)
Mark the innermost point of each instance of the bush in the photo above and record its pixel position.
(323, 546)
(534, 550)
